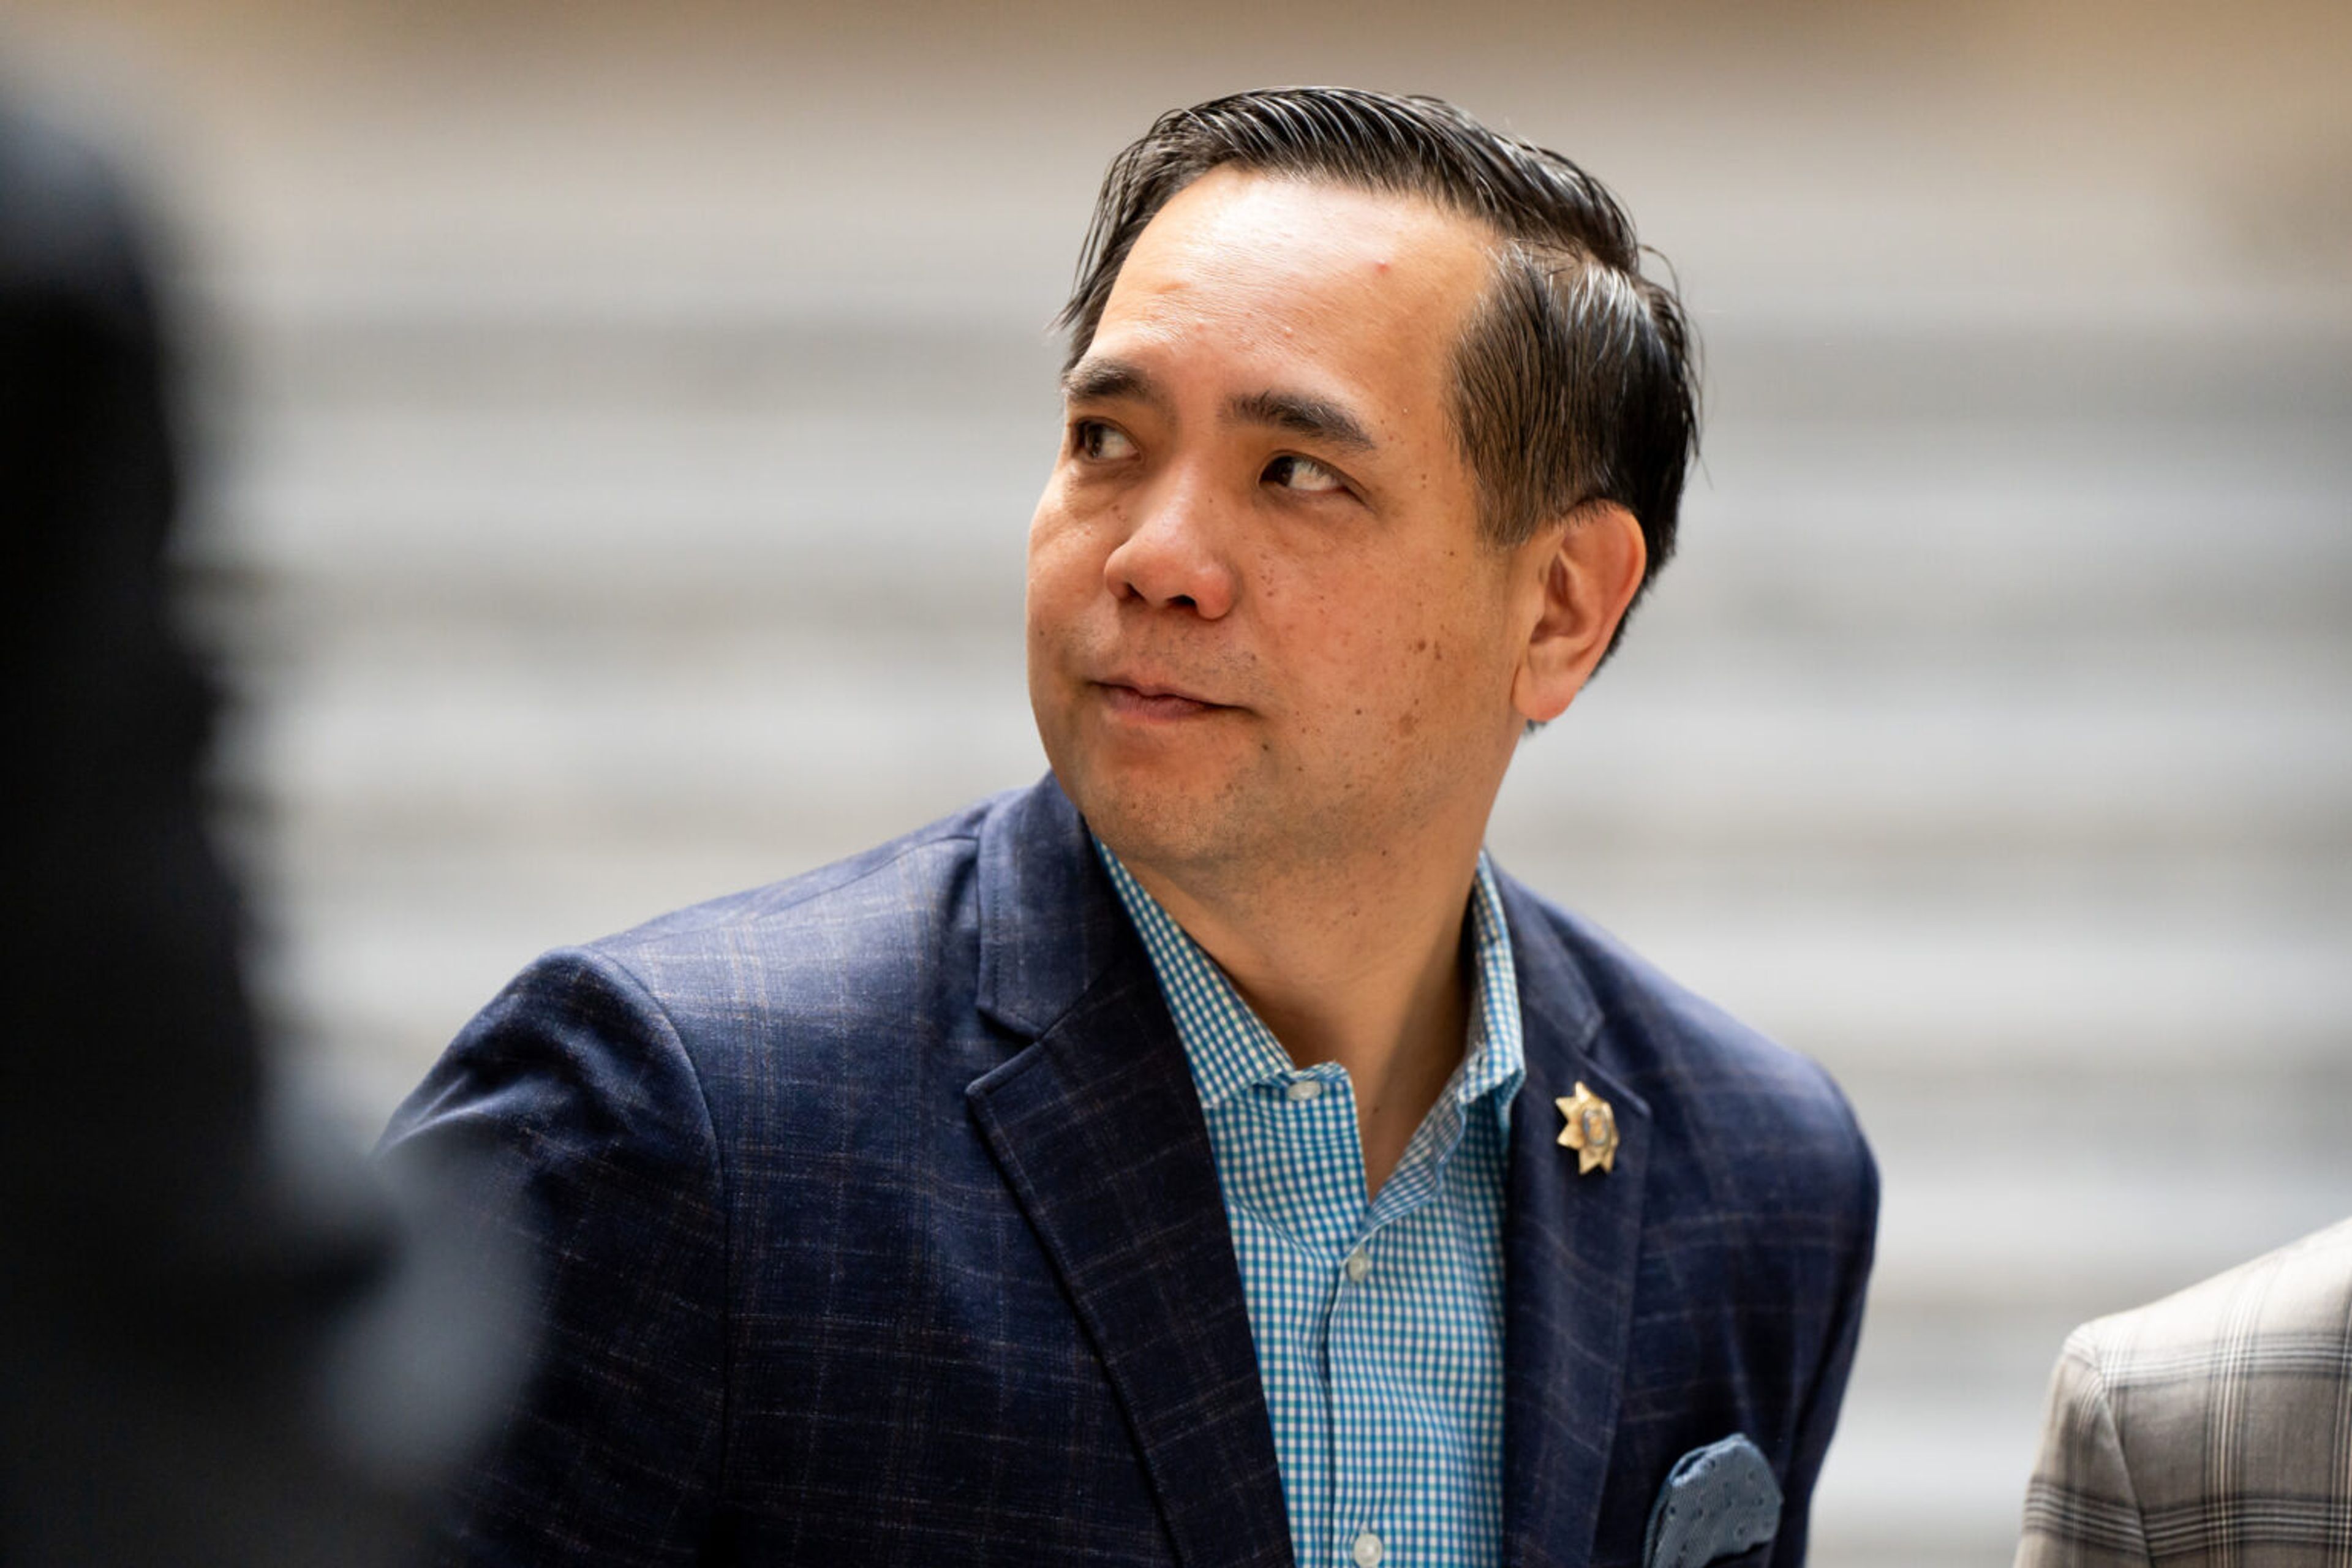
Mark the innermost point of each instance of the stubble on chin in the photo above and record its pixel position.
(1195, 831)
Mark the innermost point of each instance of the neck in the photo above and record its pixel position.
(1361, 966)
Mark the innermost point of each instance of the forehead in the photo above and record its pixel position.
(1270, 274)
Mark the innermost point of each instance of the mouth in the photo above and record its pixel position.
(1154, 700)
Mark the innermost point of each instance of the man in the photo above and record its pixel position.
(1205, 1156)
(2213, 1427)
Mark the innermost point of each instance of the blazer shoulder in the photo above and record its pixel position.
(2215, 1414)
(2282, 1305)
(922, 865)
(1755, 1120)
(866, 973)
(1673, 1046)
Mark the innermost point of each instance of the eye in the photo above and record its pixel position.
(1303, 476)
(1099, 442)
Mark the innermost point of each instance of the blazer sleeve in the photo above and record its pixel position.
(1818, 1420)
(2081, 1508)
(569, 1115)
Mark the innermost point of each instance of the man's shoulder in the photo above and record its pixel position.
(1662, 1036)
(1739, 1120)
(2189, 1419)
(865, 943)
(917, 875)
(2291, 1305)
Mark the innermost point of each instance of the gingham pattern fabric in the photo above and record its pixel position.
(1379, 1327)
(2212, 1430)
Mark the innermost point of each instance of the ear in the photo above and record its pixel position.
(1586, 568)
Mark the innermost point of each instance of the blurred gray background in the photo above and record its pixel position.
(621, 422)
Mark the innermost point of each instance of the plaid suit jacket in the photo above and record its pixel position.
(2211, 1427)
(878, 1223)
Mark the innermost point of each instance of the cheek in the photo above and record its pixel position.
(1062, 561)
(1446, 666)
(1370, 651)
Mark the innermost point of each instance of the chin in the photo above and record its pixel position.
(1149, 818)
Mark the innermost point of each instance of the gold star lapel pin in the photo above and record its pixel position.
(1591, 1130)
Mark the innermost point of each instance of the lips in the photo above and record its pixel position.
(1143, 697)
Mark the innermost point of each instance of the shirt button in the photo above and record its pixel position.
(1367, 1550)
(1304, 1089)
(1360, 1263)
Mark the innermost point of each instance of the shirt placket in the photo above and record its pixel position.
(1313, 1194)
(1374, 1470)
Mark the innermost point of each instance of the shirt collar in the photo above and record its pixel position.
(1230, 1048)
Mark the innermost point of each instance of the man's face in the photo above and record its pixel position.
(1263, 626)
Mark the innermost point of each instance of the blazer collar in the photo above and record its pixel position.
(1570, 1243)
(1050, 925)
(1098, 1130)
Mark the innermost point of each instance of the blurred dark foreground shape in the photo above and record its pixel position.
(219, 1341)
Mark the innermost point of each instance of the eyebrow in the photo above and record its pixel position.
(1317, 417)
(1113, 380)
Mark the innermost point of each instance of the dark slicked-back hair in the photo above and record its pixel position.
(1576, 379)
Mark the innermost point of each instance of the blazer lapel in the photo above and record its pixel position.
(1570, 1243)
(1098, 1130)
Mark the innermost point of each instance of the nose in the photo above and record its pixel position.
(1172, 559)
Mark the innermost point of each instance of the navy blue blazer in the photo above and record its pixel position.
(878, 1223)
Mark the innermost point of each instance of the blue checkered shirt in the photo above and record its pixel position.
(1379, 1326)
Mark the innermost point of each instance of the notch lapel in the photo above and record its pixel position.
(1098, 1130)
(1570, 1243)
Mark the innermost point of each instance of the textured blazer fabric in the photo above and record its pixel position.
(2212, 1427)
(876, 1223)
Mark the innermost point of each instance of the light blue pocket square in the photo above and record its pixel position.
(1717, 1502)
